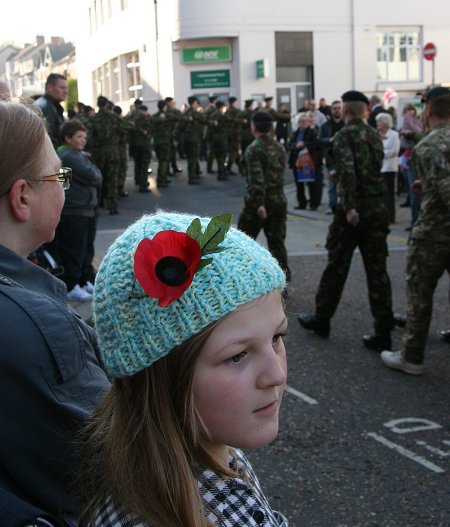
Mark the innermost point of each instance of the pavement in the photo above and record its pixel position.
(359, 445)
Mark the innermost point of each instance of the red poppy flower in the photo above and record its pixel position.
(165, 265)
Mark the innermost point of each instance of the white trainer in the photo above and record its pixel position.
(77, 294)
(88, 287)
(394, 359)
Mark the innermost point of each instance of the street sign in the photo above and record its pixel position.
(429, 51)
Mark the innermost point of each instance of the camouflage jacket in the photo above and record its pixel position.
(105, 129)
(358, 155)
(218, 127)
(192, 125)
(235, 119)
(431, 160)
(143, 129)
(264, 164)
(162, 128)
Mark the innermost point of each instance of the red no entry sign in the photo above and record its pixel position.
(429, 51)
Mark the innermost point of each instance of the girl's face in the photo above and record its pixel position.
(240, 377)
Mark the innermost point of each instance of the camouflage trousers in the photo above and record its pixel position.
(274, 226)
(107, 161)
(162, 151)
(219, 151)
(192, 153)
(370, 237)
(426, 262)
(234, 153)
(142, 159)
(122, 170)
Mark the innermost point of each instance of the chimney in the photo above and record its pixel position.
(40, 39)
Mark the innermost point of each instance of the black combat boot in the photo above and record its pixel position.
(320, 326)
(378, 342)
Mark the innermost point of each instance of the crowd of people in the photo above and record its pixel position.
(141, 421)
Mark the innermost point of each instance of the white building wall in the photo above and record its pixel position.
(343, 38)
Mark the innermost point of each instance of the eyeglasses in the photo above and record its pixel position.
(64, 176)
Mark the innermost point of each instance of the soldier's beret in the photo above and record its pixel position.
(137, 102)
(143, 108)
(192, 99)
(437, 92)
(354, 96)
(168, 99)
(212, 98)
(161, 104)
(267, 99)
(219, 104)
(231, 100)
(262, 117)
(248, 102)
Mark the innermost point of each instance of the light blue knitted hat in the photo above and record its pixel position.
(134, 330)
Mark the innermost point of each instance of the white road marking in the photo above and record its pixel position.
(407, 453)
(301, 395)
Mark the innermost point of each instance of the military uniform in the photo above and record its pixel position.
(358, 153)
(192, 126)
(246, 132)
(218, 136)
(209, 111)
(162, 141)
(175, 117)
(105, 133)
(142, 141)
(264, 165)
(429, 248)
(124, 131)
(235, 120)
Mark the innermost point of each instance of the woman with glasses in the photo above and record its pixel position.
(50, 377)
(77, 228)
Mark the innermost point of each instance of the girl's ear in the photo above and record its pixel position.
(19, 200)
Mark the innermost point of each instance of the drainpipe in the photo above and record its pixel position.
(352, 19)
(155, 4)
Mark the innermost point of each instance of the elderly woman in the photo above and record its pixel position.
(305, 139)
(389, 169)
(50, 377)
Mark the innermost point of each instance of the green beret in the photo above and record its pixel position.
(354, 96)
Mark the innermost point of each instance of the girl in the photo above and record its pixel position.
(190, 321)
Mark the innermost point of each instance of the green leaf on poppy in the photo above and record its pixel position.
(203, 263)
(195, 230)
(215, 233)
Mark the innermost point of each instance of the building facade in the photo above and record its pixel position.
(290, 49)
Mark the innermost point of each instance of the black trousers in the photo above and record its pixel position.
(76, 236)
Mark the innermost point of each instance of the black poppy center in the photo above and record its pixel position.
(171, 270)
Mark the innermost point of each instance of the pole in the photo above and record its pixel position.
(432, 71)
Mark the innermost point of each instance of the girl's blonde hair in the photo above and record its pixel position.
(143, 444)
(22, 137)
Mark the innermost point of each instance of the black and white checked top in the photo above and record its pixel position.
(230, 502)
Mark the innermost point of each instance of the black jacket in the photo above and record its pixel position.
(50, 381)
(54, 115)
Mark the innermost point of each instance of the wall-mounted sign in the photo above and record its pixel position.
(210, 79)
(262, 69)
(209, 54)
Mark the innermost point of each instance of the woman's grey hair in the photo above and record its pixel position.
(385, 118)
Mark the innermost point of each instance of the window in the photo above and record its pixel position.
(399, 54)
(133, 75)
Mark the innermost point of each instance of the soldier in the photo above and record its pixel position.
(142, 140)
(218, 138)
(124, 131)
(246, 132)
(360, 221)
(84, 116)
(175, 117)
(265, 205)
(277, 116)
(235, 121)
(105, 134)
(209, 110)
(192, 126)
(429, 249)
(162, 141)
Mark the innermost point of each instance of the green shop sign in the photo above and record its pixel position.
(210, 54)
(210, 79)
